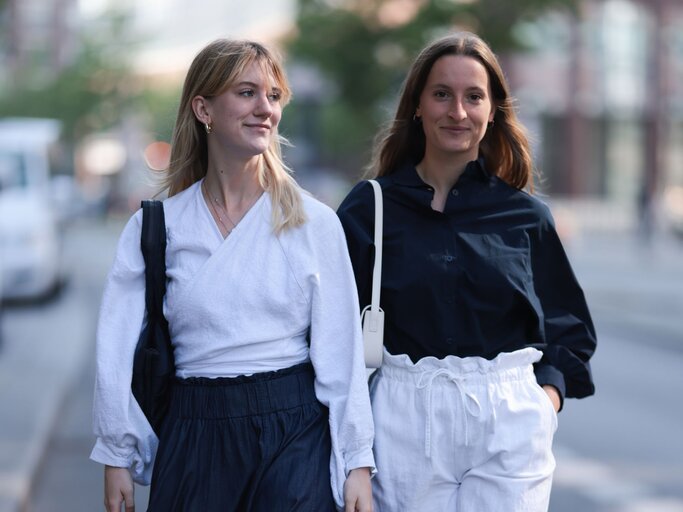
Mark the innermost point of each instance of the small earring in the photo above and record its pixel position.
(208, 128)
(416, 118)
(491, 123)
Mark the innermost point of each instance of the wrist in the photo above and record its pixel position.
(362, 470)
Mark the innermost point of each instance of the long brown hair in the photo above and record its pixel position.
(505, 146)
(212, 72)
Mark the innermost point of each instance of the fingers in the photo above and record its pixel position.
(129, 500)
(112, 504)
(118, 489)
(363, 505)
(358, 506)
(358, 491)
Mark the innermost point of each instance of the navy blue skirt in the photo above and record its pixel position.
(256, 443)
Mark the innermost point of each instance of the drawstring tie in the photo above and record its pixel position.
(425, 381)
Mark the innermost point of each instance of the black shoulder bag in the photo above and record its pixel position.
(153, 364)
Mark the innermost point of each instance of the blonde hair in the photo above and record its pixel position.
(212, 72)
(505, 146)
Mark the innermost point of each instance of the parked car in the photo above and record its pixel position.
(29, 236)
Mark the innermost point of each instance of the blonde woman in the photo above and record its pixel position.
(270, 409)
(486, 329)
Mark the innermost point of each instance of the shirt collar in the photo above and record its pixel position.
(407, 175)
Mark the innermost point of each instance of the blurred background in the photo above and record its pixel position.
(89, 88)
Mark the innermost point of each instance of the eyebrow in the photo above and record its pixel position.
(446, 86)
(256, 86)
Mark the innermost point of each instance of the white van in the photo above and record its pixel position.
(29, 237)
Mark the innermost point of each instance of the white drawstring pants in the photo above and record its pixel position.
(462, 434)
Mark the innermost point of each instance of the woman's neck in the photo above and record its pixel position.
(441, 174)
(234, 182)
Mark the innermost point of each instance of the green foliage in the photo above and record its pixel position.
(160, 104)
(89, 94)
(366, 56)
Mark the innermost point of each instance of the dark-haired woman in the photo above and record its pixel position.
(487, 330)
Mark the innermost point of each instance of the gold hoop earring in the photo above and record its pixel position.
(208, 128)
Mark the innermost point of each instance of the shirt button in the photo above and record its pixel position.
(449, 341)
(454, 192)
(449, 258)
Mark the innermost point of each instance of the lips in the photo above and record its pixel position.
(455, 128)
(260, 126)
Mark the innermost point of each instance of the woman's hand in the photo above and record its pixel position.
(358, 491)
(118, 489)
(554, 395)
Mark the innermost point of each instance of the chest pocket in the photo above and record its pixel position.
(496, 261)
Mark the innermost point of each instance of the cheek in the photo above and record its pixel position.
(277, 115)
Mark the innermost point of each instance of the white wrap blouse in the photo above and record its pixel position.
(236, 306)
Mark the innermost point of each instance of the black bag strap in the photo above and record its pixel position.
(153, 244)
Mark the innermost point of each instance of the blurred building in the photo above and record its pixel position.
(42, 30)
(603, 93)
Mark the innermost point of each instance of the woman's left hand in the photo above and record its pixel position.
(554, 395)
(358, 491)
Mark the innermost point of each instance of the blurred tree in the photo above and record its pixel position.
(364, 49)
(160, 106)
(88, 94)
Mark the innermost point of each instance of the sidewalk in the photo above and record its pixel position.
(44, 351)
(630, 281)
(632, 284)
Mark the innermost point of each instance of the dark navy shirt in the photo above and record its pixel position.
(488, 275)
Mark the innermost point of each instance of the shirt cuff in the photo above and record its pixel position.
(361, 458)
(111, 456)
(549, 375)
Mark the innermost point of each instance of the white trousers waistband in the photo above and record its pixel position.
(463, 374)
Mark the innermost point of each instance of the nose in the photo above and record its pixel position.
(457, 110)
(264, 108)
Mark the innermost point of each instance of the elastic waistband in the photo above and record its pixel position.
(505, 366)
(246, 395)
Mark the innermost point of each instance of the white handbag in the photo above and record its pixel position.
(372, 316)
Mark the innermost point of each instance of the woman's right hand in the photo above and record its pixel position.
(118, 489)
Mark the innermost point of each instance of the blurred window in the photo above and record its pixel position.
(12, 170)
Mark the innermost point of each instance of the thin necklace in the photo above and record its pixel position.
(213, 200)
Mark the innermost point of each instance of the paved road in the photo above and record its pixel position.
(620, 451)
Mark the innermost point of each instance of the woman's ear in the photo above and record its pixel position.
(201, 109)
(493, 113)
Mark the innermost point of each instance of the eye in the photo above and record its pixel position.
(247, 93)
(275, 96)
(476, 97)
(441, 94)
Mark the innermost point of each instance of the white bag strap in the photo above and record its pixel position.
(377, 269)
(372, 316)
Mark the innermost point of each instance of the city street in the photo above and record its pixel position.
(619, 451)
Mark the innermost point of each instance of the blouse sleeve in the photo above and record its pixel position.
(124, 436)
(336, 352)
(569, 333)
